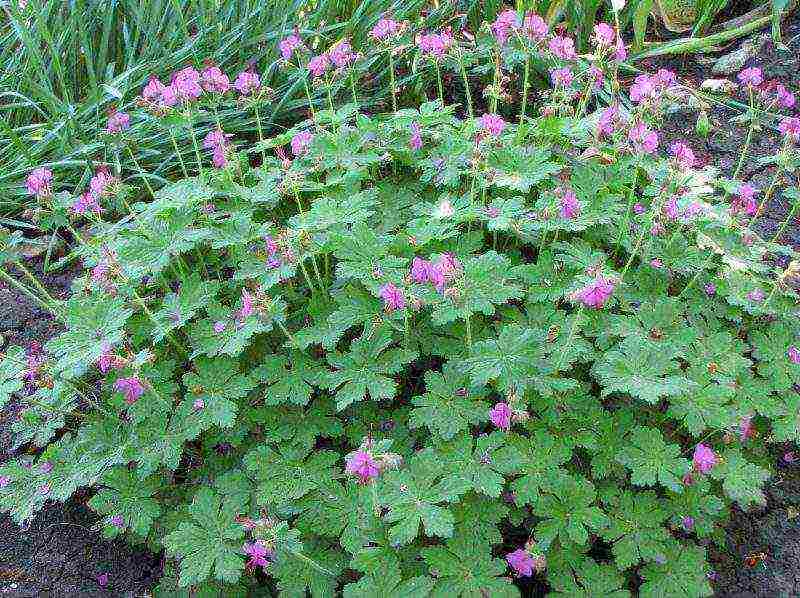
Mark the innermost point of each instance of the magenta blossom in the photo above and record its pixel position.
(85, 203)
(301, 142)
(745, 200)
(318, 65)
(117, 521)
(117, 122)
(794, 355)
(500, 416)
(521, 562)
(786, 98)
(710, 288)
(620, 53)
(493, 124)
(608, 121)
(688, 523)
(342, 54)
(131, 387)
(393, 297)
(638, 209)
(535, 27)
(108, 360)
(415, 142)
(5, 481)
(665, 78)
(102, 183)
(38, 182)
(757, 295)
(259, 554)
(384, 29)
(604, 35)
(704, 459)
(504, 24)
(562, 47)
(361, 464)
(435, 44)
(248, 306)
(790, 128)
(644, 140)
(186, 83)
(751, 77)
(420, 270)
(683, 154)
(247, 83)
(213, 80)
(596, 293)
(561, 77)
(643, 88)
(570, 206)
(102, 580)
(219, 327)
(288, 45)
(152, 90)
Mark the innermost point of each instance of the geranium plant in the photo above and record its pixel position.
(419, 354)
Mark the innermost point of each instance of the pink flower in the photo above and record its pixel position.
(301, 141)
(186, 83)
(704, 459)
(5, 481)
(117, 521)
(500, 416)
(102, 580)
(219, 327)
(46, 467)
(561, 77)
(213, 80)
(644, 140)
(756, 295)
(86, 202)
(521, 562)
(259, 554)
(745, 200)
(108, 360)
(535, 27)
(361, 464)
(786, 98)
(248, 306)
(505, 22)
(638, 209)
(596, 293)
(38, 182)
(710, 289)
(218, 157)
(420, 270)
(288, 45)
(492, 124)
(198, 404)
(318, 65)
(790, 127)
(562, 47)
(620, 53)
(393, 297)
(604, 35)
(131, 387)
(215, 138)
(608, 121)
(342, 54)
(670, 208)
(746, 429)
(570, 206)
(435, 44)
(597, 75)
(656, 263)
(643, 88)
(683, 154)
(117, 122)
(415, 143)
(247, 82)
(448, 264)
(751, 77)
(169, 97)
(101, 183)
(384, 29)
(688, 523)
(665, 78)
(152, 91)
(794, 355)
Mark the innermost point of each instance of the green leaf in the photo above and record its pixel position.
(299, 575)
(519, 169)
(286, 473)
(365, 371)
(636, 529)
(651, 460)
(471, 463)
(643, 369)
(414, 495)
(290, 379)
(485, 282)
(569, 513)
(464, 568)
(210, 543)
(683, 573)
(12, 368)
(742, 481)
(586, 578)
(450, 403)
(126, 495)
(537, 460)
(181, 307)
(386, 581)
(219, 385)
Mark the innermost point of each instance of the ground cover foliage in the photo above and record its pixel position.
(421, 353)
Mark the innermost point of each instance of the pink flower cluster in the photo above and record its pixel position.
(393, 297)
(260, 555)
(570, 207)
(644, 140)
(101, 185)
(247, 83)
(524, 564)
(493, 124)
(704, 459)
(562, 47)
(650, 87)
(362, 465)
(790, 128)
(301, 142)
(745, 200)
(500, 416)
(506, 22)
(39, 181)
(438, 272)
(415, 142)
(131, 387)
(595, 294)
(288, 45)
(188, 85)
(117, 122)
(435, 45)
(214, 81)
(338, 56)
(751, 77)
(561, 77)
(683, 154)
(384, 29)
(217, 142)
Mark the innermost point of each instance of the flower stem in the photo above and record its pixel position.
(392, 81)
(439, 81)
(178, 153)
(141, 172)
(260, 134)
(467, 91)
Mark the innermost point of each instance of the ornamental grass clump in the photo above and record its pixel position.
(423, 353)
